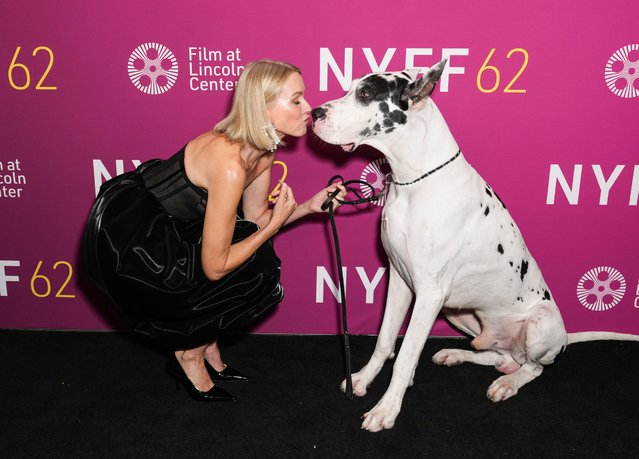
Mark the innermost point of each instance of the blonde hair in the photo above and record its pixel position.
(259, 83)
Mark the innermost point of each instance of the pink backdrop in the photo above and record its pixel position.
(556, 135)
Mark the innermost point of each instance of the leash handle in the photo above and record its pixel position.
(328, 202)
(346, 184)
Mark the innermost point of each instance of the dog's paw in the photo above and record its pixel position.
(449, 357)
(379, 418)
(502, 389)
(360, 384)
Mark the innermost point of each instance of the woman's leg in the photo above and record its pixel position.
(213, 356)
(192, 362)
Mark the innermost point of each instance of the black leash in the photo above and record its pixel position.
(328, 205)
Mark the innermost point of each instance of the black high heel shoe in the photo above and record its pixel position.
(215, 394)
(227, 375)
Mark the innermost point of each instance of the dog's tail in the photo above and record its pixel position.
(582, 337)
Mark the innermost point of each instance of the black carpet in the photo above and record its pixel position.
(90, 394)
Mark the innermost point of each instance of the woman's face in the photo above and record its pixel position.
(290, 112)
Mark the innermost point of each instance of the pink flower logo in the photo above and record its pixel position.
(375, 174)
(622, 72)
(601, 288)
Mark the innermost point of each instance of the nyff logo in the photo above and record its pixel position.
(153, 68)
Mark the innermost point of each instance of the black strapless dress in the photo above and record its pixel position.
(142, 249)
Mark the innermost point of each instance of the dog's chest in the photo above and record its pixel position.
(394, 225)
(443, 224)
(403, 229)
(414, 217)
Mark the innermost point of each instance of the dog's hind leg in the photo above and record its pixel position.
(467, 321)
(545, 337)
(508, 385)
(397, 302)
(427, 305)
(501, 361)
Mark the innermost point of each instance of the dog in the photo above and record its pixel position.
(451, 243)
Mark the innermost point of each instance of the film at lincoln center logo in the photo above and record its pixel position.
(153, 68)
(601, 288)
(375, 174)
(622, 72)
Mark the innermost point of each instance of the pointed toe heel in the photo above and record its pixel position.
(215, 394)
(227, 375)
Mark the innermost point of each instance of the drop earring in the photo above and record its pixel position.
(272, 135)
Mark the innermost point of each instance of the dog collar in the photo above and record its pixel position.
(389, 176)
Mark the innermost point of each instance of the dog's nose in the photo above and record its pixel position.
(318, 113)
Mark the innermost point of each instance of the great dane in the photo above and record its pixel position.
(452, 246)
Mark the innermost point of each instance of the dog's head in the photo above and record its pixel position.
(377, 104)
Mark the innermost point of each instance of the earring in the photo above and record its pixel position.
(272, 135)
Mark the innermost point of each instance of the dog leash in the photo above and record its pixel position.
(328, 205)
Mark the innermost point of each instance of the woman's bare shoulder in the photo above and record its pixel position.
(208, 156)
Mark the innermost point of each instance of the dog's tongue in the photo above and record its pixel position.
(348, 147)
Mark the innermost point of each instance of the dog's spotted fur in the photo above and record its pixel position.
(451, 243)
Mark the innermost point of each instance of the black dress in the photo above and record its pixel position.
(142, 249)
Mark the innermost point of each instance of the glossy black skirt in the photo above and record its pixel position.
(148, 264)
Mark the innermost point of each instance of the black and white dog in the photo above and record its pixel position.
(451, 243)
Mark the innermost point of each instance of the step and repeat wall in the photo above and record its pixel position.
(542, 97)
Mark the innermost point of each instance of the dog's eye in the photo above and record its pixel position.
(364, 94)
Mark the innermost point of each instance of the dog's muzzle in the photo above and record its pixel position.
(318, 114)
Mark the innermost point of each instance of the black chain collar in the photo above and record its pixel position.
(389, 176)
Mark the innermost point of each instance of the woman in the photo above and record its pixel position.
(167, 245)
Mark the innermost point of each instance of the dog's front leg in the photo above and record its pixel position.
(397, 302)
(425, 311)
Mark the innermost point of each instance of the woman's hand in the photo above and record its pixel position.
(315, 203)
(284, 207)
(287, 211)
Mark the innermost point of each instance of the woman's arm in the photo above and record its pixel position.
(255, 198)
(255, 201)
(225, 185)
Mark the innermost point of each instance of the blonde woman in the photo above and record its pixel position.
(183, 246)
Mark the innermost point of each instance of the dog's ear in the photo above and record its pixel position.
(420, 89)
(412, 73)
